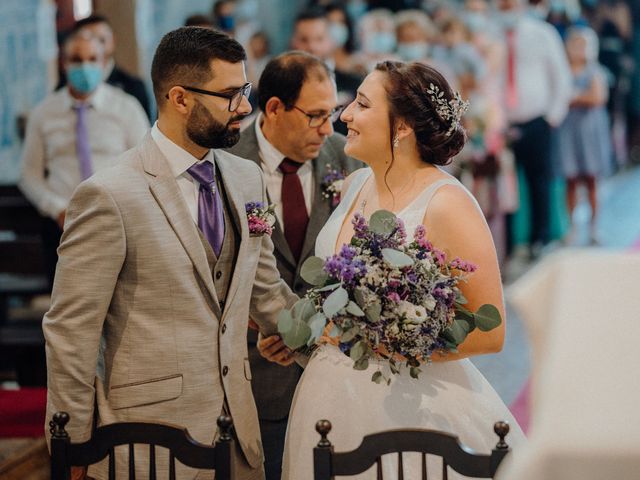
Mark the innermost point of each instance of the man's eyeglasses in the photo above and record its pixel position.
(316, 120)
(234, 97)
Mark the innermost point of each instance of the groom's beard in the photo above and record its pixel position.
(207, 132)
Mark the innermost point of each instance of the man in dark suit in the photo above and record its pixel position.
(100, 27)
(293, 141)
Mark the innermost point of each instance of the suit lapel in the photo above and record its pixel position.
(233, 187)
(166, 192)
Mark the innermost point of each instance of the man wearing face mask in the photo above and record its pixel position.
(537, 91)
(223, 15)
(73, 133)
(159, 270)
(114, 75)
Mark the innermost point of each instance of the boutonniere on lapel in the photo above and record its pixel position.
(261, 219)
(332, 185)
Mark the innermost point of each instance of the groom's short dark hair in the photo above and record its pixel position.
(184, 57)
(285, 74)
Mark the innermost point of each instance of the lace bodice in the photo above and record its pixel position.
(411, 215)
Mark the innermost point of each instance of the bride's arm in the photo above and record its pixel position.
(455, 224)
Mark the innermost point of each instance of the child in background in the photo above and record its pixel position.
(584, 136)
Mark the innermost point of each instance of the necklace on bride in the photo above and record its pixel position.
(408, 183)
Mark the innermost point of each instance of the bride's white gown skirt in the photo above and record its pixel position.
(450, 396)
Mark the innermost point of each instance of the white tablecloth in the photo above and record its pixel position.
(582, 310)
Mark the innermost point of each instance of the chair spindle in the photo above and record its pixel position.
(152, 462)
(445, 470)
(112, 464)
(172, 467)
(132, 463)
(400, 467)
(379, 476)
(425, 473)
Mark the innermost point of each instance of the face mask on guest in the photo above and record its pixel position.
(413, 51)
(381, 42)
(475, 21)
(84, 77)
(226, 23)
(339, 33)
(509, 19)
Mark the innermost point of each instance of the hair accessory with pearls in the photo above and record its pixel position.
(448, 111)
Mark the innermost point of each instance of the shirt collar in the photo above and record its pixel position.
(179, 159)
(270, 155)
(96, 100)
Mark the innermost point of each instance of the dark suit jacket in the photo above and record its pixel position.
(273, 385)
(131, 85)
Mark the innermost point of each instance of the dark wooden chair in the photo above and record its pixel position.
(181, 446)
(327, 463)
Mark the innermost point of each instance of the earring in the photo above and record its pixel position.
(396, 142)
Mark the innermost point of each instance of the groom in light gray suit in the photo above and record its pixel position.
(293, 142)
(158, 271)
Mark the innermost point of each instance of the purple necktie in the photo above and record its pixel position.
(210, 214)
(83, 149)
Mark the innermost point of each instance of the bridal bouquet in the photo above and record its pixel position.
(381, 297)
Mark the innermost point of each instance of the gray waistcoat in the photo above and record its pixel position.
(222, 267)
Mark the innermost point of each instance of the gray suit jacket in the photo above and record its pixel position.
(135, 326)
(273, 385)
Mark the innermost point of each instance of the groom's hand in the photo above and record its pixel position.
(273, 349)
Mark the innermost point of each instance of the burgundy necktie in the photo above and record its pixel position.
(294, 209)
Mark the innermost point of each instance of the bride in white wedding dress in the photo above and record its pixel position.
(403, 129)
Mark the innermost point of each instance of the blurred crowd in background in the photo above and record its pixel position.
(553, 89)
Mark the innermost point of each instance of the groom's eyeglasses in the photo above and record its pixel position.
(316, 120)
(234, 97)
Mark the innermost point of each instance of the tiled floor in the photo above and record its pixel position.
(618, 227)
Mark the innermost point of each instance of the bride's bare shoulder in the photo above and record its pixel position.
(453, 212)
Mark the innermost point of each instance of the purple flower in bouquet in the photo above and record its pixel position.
(385, 298)
(260, 218)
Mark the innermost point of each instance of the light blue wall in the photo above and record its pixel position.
(27, 41)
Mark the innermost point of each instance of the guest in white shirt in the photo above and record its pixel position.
(74, 132)
(537, 88)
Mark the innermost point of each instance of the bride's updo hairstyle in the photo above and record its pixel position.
(420, 95)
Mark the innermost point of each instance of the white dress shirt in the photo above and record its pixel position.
(271, 158)
(179, 161)
(542, 75)
(50, 167)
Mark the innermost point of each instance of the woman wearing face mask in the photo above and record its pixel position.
(414, 31)
(341, 31)
(377, 33)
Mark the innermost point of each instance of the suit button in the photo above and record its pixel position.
(225, 370)
(224, 328)
(218, 275)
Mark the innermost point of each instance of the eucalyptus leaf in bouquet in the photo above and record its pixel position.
(381, 297)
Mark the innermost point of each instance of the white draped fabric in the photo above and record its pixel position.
(582, 309)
